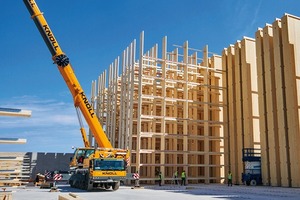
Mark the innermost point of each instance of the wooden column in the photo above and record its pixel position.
(163, 105)
(206, 114)
(226, 119)
(239, 140)
(185, 105)
(140, 101)
(291, 62)
(232, 101)
(281, 106)
(261, 78)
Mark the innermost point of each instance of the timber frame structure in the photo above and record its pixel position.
(167, 110)
(175, 113)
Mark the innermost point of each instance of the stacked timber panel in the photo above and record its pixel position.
(242, 114)
(278, 50)
(14, 169)
(166, 110)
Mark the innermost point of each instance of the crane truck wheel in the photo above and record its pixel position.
(71, 184)
(116, 185)
(86, 185)
(253, 182)
(107, 186)
(89, 187)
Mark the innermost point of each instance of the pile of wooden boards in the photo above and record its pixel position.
(14, 170)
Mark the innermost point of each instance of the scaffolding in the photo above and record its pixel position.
(167, 110)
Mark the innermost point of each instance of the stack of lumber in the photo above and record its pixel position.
(14, 169)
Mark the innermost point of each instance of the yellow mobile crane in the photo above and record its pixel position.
(92, 167)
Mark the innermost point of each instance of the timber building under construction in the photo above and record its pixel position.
(186, 109)
(166, 109)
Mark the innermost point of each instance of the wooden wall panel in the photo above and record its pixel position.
(265, 54)
(265, 166)
(226, 111)
(249, 90)
(243, 118)
(233, 162)
(274, 158)
(281, 106)
(278, 49)
(291, 61)
(239, 139)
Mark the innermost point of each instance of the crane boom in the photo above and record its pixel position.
(65, 68)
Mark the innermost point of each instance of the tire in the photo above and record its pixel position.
(248, 183)
(85, 182)
(89, 186)
(106, 186)
(71, 184)
(116, 185)
(253, 182)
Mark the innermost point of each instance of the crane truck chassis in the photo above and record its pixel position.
(90, 167)
(98, 168)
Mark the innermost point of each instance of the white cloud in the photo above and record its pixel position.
(244, 18)
(52, 123)
(253, 22)
(45, 113)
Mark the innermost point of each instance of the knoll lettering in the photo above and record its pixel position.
(87, 104)
(109, 173)
(50, 36)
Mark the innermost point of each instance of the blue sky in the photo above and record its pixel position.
(93, 33)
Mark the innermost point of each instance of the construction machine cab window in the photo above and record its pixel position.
(83, 153)
(109, 165)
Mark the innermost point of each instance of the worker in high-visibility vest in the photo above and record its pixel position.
(183, 177)
(175, 177)
(229, 177)
(160, 177)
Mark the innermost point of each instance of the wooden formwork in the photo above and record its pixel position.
(278, 74)
(167, 110)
